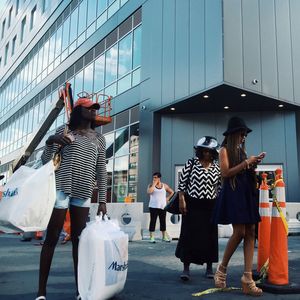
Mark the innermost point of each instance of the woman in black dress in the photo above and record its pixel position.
(236, 203)
(198, 187)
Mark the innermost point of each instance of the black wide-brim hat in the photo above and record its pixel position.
(236, 124)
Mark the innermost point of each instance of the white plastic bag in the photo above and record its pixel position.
(102, 260)
(28, 199)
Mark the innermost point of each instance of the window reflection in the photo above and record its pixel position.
(89, 78)
(102, 5)
(121, 142)
(74, 25)
(116, 63)
(82, 16)
(109, 138)
(125, 55)
(122, 148)
(92, 9)
(78, 86)
(99, 73)
(111, 64)
(66, 30)
(120, 178)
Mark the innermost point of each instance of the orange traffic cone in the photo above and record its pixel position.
(67, 228)
(278, 262)
(38, 235)
(264, 227)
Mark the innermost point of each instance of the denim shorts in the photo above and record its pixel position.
(64, 200)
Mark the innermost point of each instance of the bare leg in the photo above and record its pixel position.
(249, 249)
(53, 231)
(79, 217)
(237, 235)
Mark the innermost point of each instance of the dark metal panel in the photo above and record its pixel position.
(284, 54)
(291, 172)
(251, 44)
(233, 52)
(168, 52)
(183, 133)
(269, 75)
(181, 49)
(197, 46)
(166, 150)
(295, 29)
(213, 42)
(152, 51)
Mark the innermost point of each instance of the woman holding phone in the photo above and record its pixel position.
(236, 203)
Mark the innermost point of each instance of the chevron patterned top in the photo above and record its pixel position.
(203, 183)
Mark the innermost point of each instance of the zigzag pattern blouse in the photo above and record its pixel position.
(203, 183)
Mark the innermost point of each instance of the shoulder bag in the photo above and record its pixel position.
(173, 204)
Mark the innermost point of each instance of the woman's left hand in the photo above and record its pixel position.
(102, 208)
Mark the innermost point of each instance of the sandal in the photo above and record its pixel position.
(249, 287)
(220, 277)
(40, 298)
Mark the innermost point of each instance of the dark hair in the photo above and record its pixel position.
(157, 174)
(199, 153)
(76, 118)
(236, 154)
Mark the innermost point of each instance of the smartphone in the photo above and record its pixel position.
(262, 155)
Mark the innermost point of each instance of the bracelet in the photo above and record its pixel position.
(247, 164)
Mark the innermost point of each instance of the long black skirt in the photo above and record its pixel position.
(198, 241)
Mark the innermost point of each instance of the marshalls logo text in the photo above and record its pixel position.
(114, 266)
(9, 193)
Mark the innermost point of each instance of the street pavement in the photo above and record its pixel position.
(153, 272)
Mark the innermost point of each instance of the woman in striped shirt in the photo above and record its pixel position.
(83, 163)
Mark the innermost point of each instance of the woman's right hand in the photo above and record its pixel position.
(59, 139)
(254, 160)
(182, 204)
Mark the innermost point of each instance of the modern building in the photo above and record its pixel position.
(177, 69)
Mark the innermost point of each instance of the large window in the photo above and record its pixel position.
(71, 29)
(122, 148)
(107, 68)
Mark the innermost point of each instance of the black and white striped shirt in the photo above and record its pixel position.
(203, 183)
(83, 163)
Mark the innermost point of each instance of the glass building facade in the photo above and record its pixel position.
(111, 67)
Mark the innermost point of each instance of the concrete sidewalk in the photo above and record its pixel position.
(153, 272)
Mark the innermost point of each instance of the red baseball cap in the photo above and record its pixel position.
(86, 102)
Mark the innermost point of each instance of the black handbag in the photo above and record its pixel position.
(173, 204)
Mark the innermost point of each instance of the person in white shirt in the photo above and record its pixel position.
(158, 200)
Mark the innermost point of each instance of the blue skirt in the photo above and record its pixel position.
(239, 205)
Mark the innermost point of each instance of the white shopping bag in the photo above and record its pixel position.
(28, 199)
(102, 260)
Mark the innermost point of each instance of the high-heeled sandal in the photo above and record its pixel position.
(40, 298)
(220, 277)
(249, 287)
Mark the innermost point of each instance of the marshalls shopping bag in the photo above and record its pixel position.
(28, 199)
(102, 260)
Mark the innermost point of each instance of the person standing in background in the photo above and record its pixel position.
(199, 184)
(158, 200)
